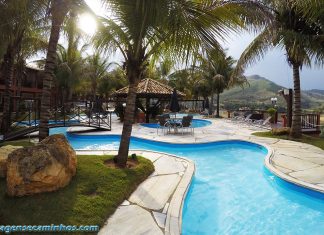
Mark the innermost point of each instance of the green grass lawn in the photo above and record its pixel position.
(316, 141)
(91, 197)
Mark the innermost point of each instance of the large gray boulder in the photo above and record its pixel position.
(46, 167)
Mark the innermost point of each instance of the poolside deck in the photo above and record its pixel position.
(299, 163)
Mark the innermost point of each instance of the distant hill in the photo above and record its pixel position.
(259, 92)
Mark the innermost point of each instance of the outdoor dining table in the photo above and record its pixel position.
(175, 123)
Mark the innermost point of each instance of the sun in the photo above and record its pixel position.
(87, 24)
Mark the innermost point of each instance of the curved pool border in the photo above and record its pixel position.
(174, 206)
(173, 221)
(268, 162)
(199, 119)
(276, 146)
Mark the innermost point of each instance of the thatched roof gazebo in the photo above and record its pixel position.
(149, 89)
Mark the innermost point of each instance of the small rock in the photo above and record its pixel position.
(45, 167)
(125, 203)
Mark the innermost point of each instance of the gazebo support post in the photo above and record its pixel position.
(147, 113)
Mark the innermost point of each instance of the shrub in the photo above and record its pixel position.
(271, 111)
(281, 131)
(322, 132)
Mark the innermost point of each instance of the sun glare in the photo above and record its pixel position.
(87, 24)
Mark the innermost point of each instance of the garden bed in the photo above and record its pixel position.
(91, 197)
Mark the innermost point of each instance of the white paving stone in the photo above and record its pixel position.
(159, 218)
(131, 220)
(298, 153)
(165, 209)
(292, 163)
(168, 165)
(317, 160)
(282, 169)
(152, 156)
(155, 191)
(314, 175)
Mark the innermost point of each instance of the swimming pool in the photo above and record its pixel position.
(196, 123)
(36, 123)
(232, 192)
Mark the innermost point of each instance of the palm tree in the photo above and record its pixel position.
(59, 10)
(217, 69)
(114, 80)
(18, 20)
(96, 70)
(299, 36)
(140, 29)
(68, 72)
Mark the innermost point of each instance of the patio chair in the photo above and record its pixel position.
(163, 123)
(263, 123)
(246, 120)
(234, 118)
(186, 123)
(212, 115)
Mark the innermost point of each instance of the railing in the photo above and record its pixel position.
(311, 121)
(71, 114)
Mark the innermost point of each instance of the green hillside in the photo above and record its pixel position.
(259, 92)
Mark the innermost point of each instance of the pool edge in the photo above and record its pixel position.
(173, 221)
(269, 165)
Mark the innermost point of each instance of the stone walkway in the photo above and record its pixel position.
(299, 163)
(156, 205)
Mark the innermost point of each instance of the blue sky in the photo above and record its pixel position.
(273, 67)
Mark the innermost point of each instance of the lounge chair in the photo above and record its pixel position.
(263, 123)
(163, 123)
(212, 115)
(247, 119)
(186, 123)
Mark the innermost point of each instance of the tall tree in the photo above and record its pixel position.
(217, 70)
(58, 10)
(140, 29)
(18, 20)
(96, 70)
(296, 33)
(68, 72)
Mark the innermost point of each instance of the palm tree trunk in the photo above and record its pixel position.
(128, 124)
(211, 104)
(295, 131)
(8, 71)
(217, 110)
(59, 11)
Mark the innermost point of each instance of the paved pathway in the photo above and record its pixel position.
(296, 162)
(156, 205)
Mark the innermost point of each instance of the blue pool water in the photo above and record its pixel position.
(232, 192)
(36, 123)
(196, 123)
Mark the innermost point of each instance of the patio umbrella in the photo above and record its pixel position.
(174, 103)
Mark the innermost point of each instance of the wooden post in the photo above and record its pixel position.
(276, 117)
(147, 114)
(289, 107)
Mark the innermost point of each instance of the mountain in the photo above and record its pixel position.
(259, 92)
